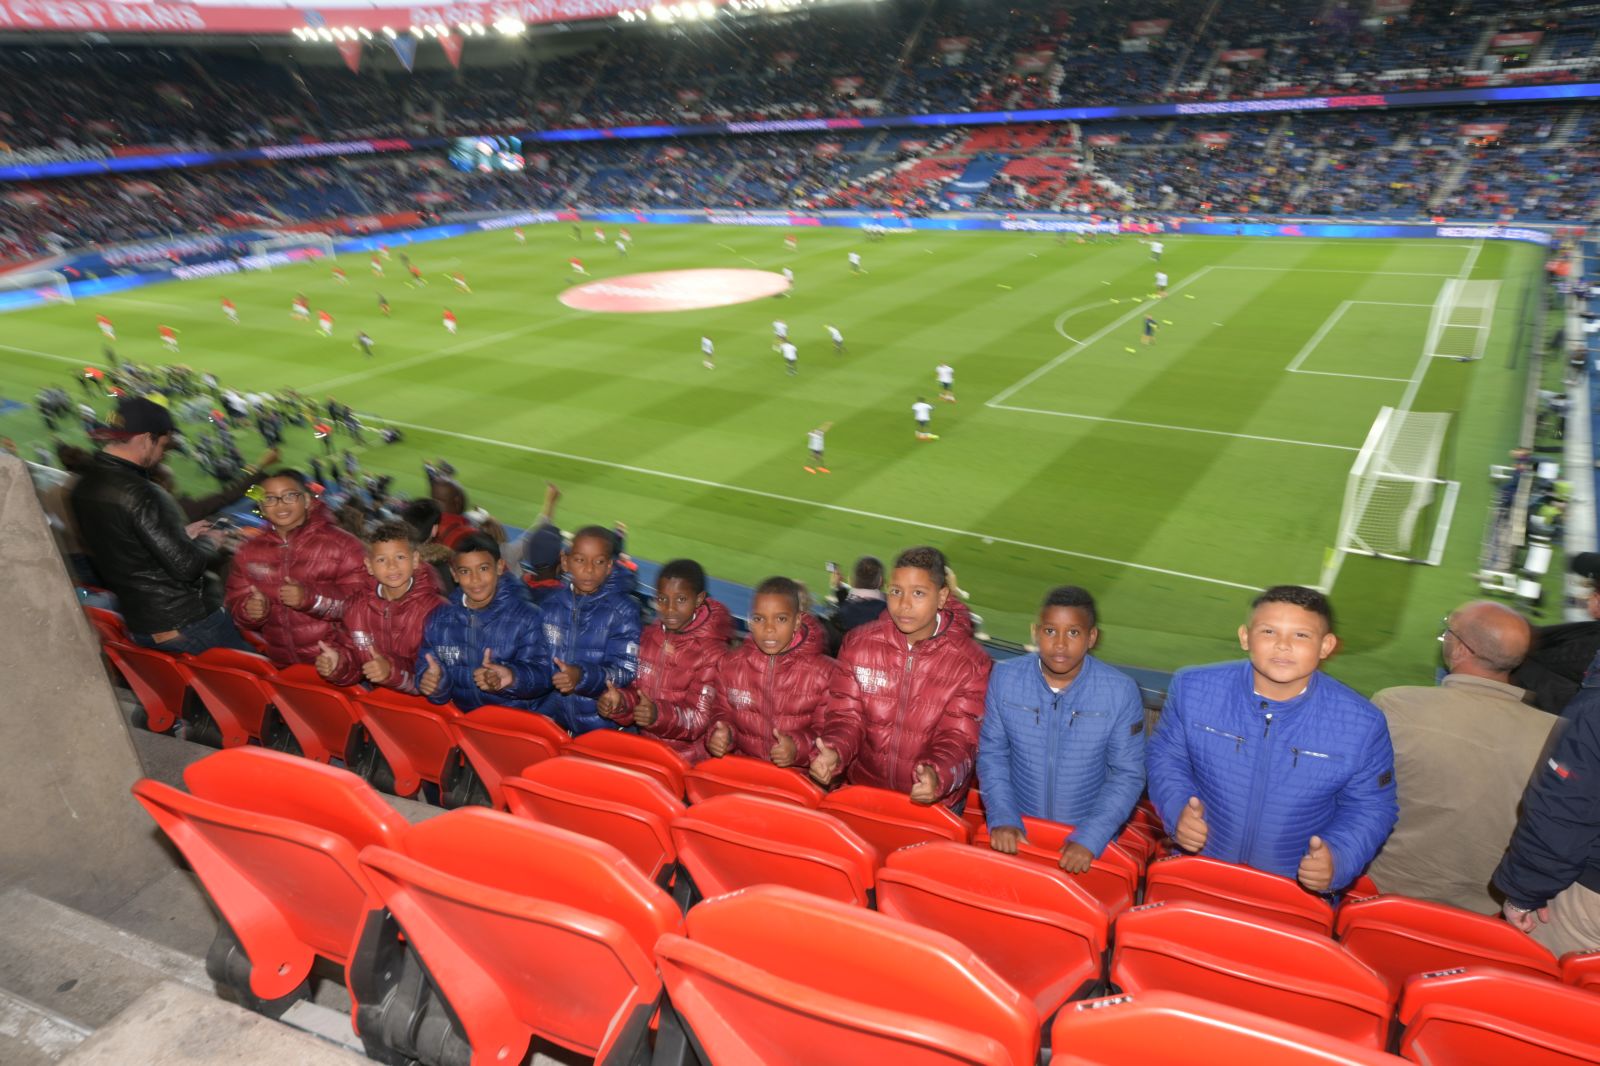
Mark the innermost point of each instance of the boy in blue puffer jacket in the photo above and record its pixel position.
(1272, 763)
(485, 644)
(1063, 736)
(592, 628)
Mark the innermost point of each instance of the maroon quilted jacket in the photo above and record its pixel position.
(907, 706)
(677, 671)
(327, 562)
(757, 693)
(392, 628)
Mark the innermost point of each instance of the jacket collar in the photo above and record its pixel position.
(1091, 665)
(1485, 684)
(1280, 707)
(107, 459)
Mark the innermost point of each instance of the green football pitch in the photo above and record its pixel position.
(1171, 480)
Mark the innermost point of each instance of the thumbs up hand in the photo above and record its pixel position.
(926, 790)
(826, 764)
(644, 711)
(492, 676)
(783, 751)
(1191, 831)
(377, 669)
(609, 701)
(566, 677)
(255, 605)
(327, 659)
(292, 594)
(428, 683)
(1316, 866)
(719, 740)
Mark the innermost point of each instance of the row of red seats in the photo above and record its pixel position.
(488, 930)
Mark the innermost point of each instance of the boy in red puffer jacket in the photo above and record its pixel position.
(384, 624)
(672, 695)
(772, 691)
(915, 685)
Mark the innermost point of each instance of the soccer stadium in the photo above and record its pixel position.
(1126, 474)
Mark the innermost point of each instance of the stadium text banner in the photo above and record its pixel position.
(118, 16)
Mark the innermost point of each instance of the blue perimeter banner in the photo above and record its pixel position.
(1355, 102)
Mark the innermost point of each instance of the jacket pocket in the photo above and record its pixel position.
(1314, 764)
(1218, 737)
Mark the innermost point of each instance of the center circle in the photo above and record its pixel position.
(674, 290)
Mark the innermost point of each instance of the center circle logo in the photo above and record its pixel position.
(674, 290)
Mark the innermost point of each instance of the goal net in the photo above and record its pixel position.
(1393, 481)
(30, 288)
(290, 248)
(1462, 315)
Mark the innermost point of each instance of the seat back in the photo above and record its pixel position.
(274, 839)
(1581, 969)
(108, 625)
(416, 736)
(499, 742)
(889, 820)
(783, 978)
(1399, 936)
(1197, 879)
(1228, 957)
(735, 841)
(646, 754)
(739, 773)
(1482, 1014)
(236, 698)
(625, 808)
(1113, 878)
(528, 930)
(320, 716)
(1038, 928)
(157, 679)
(1193, 1032)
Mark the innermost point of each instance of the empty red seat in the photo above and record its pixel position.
(1223, 955)
(235, 690)
(1197, 879)
(627, 809)
(499, 742)
(274, 839)
(783, 978)
(888, 820)
(1488, 1017)
(630, 749)
(1113, 878)
(739, 773)
(1399, 936)
(1193, 1032)
(321, 718)
(108, 625)
(524, 930)
(158, 681)
(1581, 969)
(1038, 928)
(417, 737)
(735, 841)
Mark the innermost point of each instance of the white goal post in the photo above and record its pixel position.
(1394, 479)
(1462, 315)
(312, 245)
(28, 288)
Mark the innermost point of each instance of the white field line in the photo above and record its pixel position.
(1330, 270)
(156, 304)
(1174, 429)
(380, 368)
(1359, 377)
(1322, 332)
(45, 355)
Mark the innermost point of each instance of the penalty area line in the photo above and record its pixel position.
(837, 508)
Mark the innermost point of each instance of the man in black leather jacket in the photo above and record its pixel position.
(137, 537)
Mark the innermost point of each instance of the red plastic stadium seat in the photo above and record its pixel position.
(972, 812)
(1119, 1030)
(889, 820)
(739, 773)
(1139, 844)
(108, 625)
(782, 978)
(623, 807)
(499, 742)
(1197, 879)
(1040, 930)
(320, 716)
(732, 842)
(1581, 969)
(630, 749)
(1280, 971)
(1112, 878)
(1361, 888)
(274, 839)
(527, 931)
(418, 738)
(233, 686)
(1487, 1016)
(1399, 936)
(157, 679)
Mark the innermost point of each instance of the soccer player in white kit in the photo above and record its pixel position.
(947, 381)
(622, 247)
(788, 276)
(791, 358)
(1156, 248)
(1161, 283)
(780, 331)
(838, 340)
(922, 411)
(708, 350)
(855, 263)
(814, 443)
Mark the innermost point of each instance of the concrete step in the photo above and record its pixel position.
(30, 1035)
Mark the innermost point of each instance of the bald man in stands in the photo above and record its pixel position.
(1464, 751)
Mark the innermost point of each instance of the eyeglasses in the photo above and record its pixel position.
(1448, 632)
(288, 497)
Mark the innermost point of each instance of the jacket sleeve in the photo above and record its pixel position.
(994, 760)
(235, 591)
(1365, 810)
(1560, 825)
(348, 579)
(688, 717)
(955, 741)
(620, 662)
(348, 672)
(1124, 775)
(843, 721)
(185, 559)
(529, 661)
(1167, 759)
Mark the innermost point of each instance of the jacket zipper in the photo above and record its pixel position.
(1051, 737)
(1258, 782)
(766, 692)
(900, 718)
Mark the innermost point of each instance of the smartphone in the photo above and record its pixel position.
(833, 568)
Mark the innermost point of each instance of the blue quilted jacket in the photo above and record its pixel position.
(1076, 756)
(457, 634)
(1271, 773)
(599, 634)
